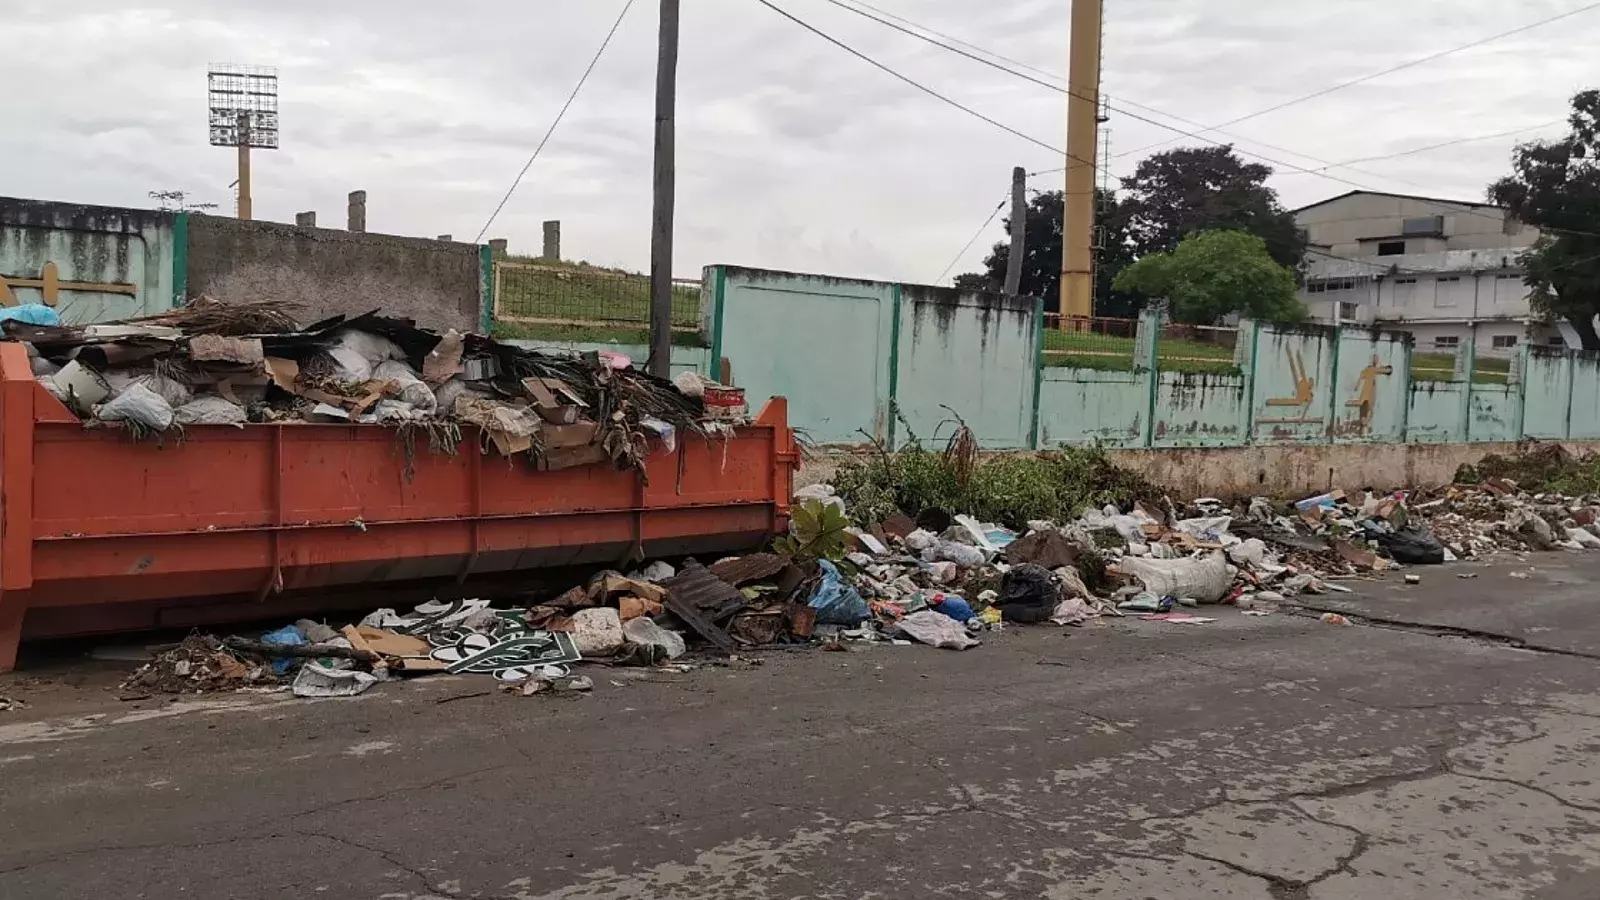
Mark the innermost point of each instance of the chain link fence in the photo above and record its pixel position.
(532, 294)
(1090, 343)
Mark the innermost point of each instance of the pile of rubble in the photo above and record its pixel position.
(212, 363)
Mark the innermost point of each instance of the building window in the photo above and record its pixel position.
(1347, 311)
(1391, 248)
(1446, 342)
(1558, 342)
(1316, 287)
(1505, 341)
(1510, 276)
(1405, 281)
(1449, 279)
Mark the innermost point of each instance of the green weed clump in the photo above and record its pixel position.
(1009, 489)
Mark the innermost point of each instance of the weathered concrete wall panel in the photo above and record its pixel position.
(1436, 410)
(822, 342)
(1583, 410)
(1547, 392)
(328, 272)
(1299, 471)
(96, 263)
(1292, 401)
(1198, 410)
(1080, 406)
(973, 353)
(1371, 396)
(1493, 413)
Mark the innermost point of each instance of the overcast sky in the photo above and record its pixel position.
(791, 153)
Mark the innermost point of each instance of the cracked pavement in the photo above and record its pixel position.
(1433, 755)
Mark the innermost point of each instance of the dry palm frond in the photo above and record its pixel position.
(207, 315)
(961, 451)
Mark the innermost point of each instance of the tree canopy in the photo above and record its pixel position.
(1215, 273)
(1555, 186)
(1169, 196)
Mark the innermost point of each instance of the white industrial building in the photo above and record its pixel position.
(1442, 270)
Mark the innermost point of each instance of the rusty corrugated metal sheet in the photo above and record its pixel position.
(745, 569)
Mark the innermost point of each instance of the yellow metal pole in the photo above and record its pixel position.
(1083, 105)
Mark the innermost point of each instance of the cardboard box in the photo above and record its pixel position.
(567, 437)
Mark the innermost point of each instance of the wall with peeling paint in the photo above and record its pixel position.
(968, 355)
(108, 263)
(848, 352)
(1437, 413)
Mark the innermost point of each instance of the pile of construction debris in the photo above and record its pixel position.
(212, 363)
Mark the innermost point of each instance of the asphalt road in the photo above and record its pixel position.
(1274, 757)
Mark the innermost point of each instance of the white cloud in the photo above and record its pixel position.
(792, 154)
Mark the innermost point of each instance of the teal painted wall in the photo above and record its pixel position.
(1436, 415)
(825, 343)
(846, 352)
(1079, 406)
(135, 250)
(1372, 397)
(973, 353)
(1547, 395)
(1198, 410)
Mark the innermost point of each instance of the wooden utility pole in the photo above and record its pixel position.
(1019, 229)
(1083, 126)
(244, 165)
(665, 182)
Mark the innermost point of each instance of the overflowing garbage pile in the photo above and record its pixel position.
(212, 363)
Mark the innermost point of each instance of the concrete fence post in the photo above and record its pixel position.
(357, 218)
(306, 219)
(1146, 353)
(552, 241)
(499, 247)
(445, 237)
(1466, 367)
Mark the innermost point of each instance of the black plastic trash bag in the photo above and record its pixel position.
(1413, 545)
(1028, 594)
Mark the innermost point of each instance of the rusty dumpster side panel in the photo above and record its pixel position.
(99, 533)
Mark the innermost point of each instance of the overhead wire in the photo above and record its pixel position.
(1451, 143)
(977, 234)
(559, 116)
(1196, 135)
(1379, 74)
(911, 81)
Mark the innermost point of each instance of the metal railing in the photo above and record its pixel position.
(1197, 348)
(542, 294)
(1090, 343)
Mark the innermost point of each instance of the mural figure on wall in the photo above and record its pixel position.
(1367, 392)
(1304, 393)
(50, 286)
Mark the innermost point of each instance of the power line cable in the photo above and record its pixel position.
(1379, 74)
(914, 83)
(559, 116)
(978, 234)
(1451, 143)
(1065, 90)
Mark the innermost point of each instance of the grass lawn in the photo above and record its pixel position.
(1441, 367)
(1115, 354)
(579, 293)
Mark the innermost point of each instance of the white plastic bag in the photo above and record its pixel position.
(319, 680)
(413, 390)
(137, 404)
(644, 631)
(920, 540)
(1204, 578)
(937, 629)
(823, 493)
(210, 410)
(358, 353)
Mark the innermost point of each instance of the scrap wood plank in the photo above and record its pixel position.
(702, 626)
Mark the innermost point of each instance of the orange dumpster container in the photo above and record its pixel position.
(99, 533)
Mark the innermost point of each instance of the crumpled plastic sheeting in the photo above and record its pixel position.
(210, 410)
(1205, 578)
(1072, 611)
(317, 679)
(645, 631)
(138, 404)
(937, 630)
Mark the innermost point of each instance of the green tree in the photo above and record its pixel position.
(1555, 186)
(1180, 192)
(1041, 265)
(1169, 196)
(1215, 273)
